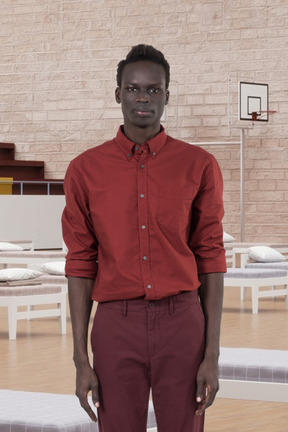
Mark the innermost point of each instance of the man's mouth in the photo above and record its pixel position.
(142, 112)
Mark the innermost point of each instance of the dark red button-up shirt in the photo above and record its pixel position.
(143, 221)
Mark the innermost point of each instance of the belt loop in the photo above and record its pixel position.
(124, 307)
(171, 305)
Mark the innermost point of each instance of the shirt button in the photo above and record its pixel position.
(142, 166)
(136, 148)
(151, 305)
(144, 258)
(143, 226)
(142, 195)
(129, 155)
(149, 286)
(153, 153)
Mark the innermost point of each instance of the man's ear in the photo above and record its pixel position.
(167, 97)
(117, 95)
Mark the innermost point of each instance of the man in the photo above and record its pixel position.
(142, 224)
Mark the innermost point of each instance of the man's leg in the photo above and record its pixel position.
(119, 343)
(175, 362)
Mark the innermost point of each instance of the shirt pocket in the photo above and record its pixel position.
(174, 209)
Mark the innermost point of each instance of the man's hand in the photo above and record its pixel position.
(86, 381)
(207, 385)
(211, 296)
(80, 291)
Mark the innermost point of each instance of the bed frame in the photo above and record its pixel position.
(13, 297)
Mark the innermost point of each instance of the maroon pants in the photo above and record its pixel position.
(140, 345)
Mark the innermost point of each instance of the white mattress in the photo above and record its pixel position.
(283, 265)
(33, 254)
(28, 290)
(45, 412)
(53, 279)
(247, 245)
(248, 364)
(254, 273)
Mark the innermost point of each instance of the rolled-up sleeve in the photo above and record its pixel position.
(206, 235)
(77, 228)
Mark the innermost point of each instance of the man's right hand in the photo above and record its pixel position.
(86, 381)
(79, 292)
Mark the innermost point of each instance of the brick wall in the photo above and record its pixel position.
(57, 71)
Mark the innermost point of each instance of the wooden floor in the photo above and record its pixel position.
(40, 360)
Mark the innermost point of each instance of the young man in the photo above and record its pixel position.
(142, 224)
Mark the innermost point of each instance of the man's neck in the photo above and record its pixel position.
(140, 135)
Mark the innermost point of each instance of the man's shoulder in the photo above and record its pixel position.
(94, 152)
(191, 149)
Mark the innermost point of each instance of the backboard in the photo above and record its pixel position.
(253, 101)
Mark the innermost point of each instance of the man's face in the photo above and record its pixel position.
(142, 95)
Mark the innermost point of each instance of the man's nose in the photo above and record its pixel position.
(143, 96)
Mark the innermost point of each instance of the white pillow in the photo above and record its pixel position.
(4, 246)
(227, 238)
(264, 254)
(11, 274)
(54, 268)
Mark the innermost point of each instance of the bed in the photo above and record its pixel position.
(25, 244)
(261, 281)
(239, 250)
(46, 412)
(253, 374)
(29, 295)
(30, 258)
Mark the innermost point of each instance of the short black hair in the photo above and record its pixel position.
(143, 52)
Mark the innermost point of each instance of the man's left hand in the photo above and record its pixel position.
(207, 384)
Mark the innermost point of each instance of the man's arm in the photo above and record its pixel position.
(79, 292)
(211, 296)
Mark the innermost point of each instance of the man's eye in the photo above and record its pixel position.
(154, 90)
(131, 89)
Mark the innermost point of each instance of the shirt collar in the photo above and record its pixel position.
(155, 144)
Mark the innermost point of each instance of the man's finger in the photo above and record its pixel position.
(206, 401)
(95, 396)
(85, 405)
(200, 391)
(201, 405)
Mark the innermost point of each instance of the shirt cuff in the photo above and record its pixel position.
(215, 265)
(81, 268)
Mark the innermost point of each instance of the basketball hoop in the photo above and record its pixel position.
(254, 102)
(256, 115)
